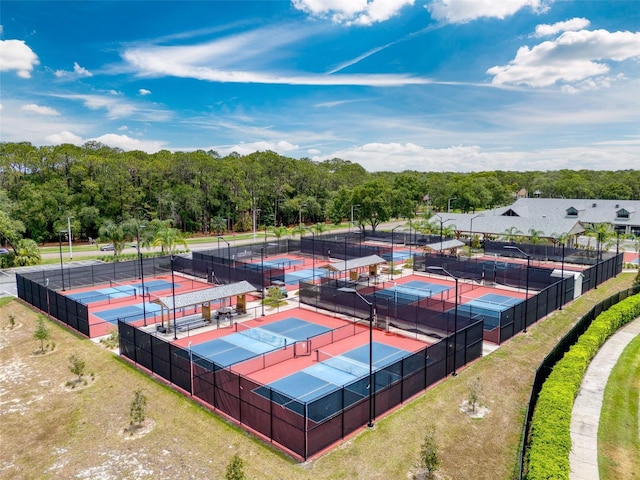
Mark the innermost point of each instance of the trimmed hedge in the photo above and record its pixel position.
(550, 443)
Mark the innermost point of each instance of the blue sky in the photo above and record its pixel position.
(438, 85)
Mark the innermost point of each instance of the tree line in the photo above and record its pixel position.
(43, 189)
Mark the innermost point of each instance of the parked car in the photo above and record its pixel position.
(4, 251)
(107, 248)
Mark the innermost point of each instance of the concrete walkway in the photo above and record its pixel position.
(585, 417)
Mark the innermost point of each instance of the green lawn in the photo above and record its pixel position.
(618, 433)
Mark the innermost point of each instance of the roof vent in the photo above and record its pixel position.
(617, 206)
(594, 205)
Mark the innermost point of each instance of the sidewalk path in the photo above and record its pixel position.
(585, 417)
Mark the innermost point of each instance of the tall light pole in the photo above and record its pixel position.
(526, 294)
(392, 264)
(228, 253)
(455, 316)
(372, 314)
(173, 295)
(255, 211)
(410, 242)
(449, 204)
(313, 257)
(144, 307)
(61, 267)
(562, 281)
(300, 213)
(442, 222)
(262, 276)
(351, 222)
(471, 230)
(69, 232)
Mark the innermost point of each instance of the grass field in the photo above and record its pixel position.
(618, 433)
(50, 431)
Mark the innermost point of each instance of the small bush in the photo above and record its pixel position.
(138, 409)
(77, 366)
(235, 469)
(429, 456)
(112, 341)
(475, 392)
(42, 334)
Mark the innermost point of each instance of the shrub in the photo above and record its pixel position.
(235, 469)
(429, 457)
(138, 409)
(550, 444)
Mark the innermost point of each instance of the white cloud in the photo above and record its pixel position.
(249, 57)
(64, 137)
(313, 151)
(117, 107)
(352, 12)
(280, 147)
(464, 11)
(32, 107)
(16, 55)
(574, 24)
(399, 157)
(77, 72)
(572, 57)
(144, 91)
(127, 143)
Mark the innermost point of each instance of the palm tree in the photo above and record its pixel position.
(278, 232)
(168, 238)
(511, 234)
(535, 236)
(560, 238)
(319, 228)
(114, 233)
(449, 230)
(426, 227)
(218, 225)
(298, 229)
(27, 253)
(603, 233)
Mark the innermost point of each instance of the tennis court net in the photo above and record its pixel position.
(262, 335)
(344, 364)
(125, 289)
(501, 304)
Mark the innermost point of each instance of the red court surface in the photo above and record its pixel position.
(344, 335)
(466, 288)
(109, 302)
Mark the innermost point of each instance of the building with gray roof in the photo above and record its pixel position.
(623, 215)
(549, 217)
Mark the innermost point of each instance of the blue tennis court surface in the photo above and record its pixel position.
(102, 294)
(398, 255)
(120, 291)
(291, 278)
(349, 370)
(129, 313)
(489, 306)
(282, 263)
(410, 292)
(246, 344)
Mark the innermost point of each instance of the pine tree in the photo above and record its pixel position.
(138, 410)
(77, 366)
(41, 333)
(235, 469)
(429, 458)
